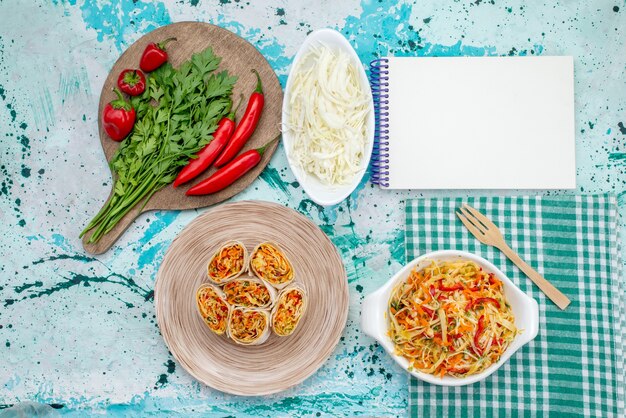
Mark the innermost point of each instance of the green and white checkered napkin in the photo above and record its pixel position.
(575, 366)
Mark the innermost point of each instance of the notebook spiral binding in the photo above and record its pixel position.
(379, 80)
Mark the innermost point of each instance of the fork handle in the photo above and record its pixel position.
(546, 287)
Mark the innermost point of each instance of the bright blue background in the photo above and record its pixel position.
(79, 331)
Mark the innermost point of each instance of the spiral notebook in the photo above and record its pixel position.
(474, 123)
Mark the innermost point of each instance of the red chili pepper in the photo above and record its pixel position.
(132, 82)
(154, 55)
(227, 175)
(479, 330)
(452, 288)
(209, 153)
(477, 301)
(246, 126)
(118, 118)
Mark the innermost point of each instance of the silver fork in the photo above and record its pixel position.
(488, 233)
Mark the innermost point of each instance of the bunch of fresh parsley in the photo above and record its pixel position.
(176, 117)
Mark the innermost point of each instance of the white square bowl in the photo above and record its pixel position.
(374, 320)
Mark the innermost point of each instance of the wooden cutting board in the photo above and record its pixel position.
(238, 57)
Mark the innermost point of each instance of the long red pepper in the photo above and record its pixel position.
(227, 175)
(154, 55)
(246, 126)
(209, 153)
(118, 118)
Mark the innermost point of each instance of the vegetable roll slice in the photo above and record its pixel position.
(228, 262)
(289, 309)
(248, 326)
(249, 292)
(269, 263)
(213, 308)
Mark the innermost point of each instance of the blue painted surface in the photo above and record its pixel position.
(79, 331)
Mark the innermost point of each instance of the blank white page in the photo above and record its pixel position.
(481, 123)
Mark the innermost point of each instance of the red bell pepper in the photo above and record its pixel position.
(209, 153)
(477, 301)
(154, 55)
(479, 331)
(457, 286)
(246, 126)
(227, 175)
(494, 281)
(132, 82)
(429, 311)
(118, 118)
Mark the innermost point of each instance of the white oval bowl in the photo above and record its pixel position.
(320, 193)
(374, 321)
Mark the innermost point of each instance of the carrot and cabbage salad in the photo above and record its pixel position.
(248, 326)
(288, 311)
(248, 293)
(450, 318)
(270, 264)
(213, 309)
(227, 262)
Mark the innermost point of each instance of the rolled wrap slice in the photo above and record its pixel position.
(250, 292)
(213, 308)
(229, 262)
(247, 326)
(269, 262)
(289, 310)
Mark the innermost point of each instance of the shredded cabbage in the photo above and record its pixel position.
(328, 109)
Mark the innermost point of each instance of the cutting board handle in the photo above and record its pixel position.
(109, 239)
